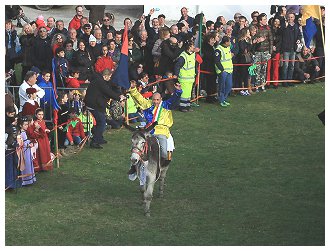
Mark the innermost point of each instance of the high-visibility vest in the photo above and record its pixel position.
(187, 72)
(226, 59)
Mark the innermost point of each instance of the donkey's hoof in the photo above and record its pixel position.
(147, 214)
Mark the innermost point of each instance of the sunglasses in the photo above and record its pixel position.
(106, 19)
(42, 31)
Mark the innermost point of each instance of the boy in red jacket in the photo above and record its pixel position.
(72, 81)
(74, 129)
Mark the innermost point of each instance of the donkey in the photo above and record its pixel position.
(145, 155)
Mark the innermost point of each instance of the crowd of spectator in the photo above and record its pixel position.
(60, 61)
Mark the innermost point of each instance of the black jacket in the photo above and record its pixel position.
(290, 35)
(42, 53)
(27, 42)
(98, 93)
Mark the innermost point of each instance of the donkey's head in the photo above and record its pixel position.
(139, 149)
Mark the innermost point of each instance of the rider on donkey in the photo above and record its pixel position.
(160, 111)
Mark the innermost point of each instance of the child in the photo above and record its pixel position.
(26, 162)
(60, 67)
(11, 171)
(38, 131)
(63, 117)
(87, 119)
(31, 105)
(48, 101)
(75, 101)
(72, 81)
(75, 129)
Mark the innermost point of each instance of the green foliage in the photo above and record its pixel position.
(250, 174)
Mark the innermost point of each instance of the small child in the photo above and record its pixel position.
(25, 160)
(31, 105)
(74, 129)
(75, 101)
(87, 119)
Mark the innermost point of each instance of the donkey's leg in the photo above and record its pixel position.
(162, 181)
(148, 193)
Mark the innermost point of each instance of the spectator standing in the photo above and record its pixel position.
(244, 56)
(209, 80)
(13, 47)
(104, 61)
(42, 51)
(114, 52)
(291, 37)
(63, 116)
(82, 61)
(170, 52)
(27, 41)
(107, 25)
(50, 25)
(47, 103)
(152, 31)
(185, 17)
(224, 70)
(263, 50)
(274, 62)
(73, 37)
(75, 22)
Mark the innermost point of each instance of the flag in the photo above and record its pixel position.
(198, 40)
(309, 31)
(120, 76)
(308, 11)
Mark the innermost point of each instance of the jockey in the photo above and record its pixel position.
(160, 111)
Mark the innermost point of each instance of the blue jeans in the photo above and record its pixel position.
(288, 67)
(225, 80)
(100, 126)
(76, 140)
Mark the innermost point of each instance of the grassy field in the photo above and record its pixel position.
(251, 174)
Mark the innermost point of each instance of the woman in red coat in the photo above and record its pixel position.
(30, 106)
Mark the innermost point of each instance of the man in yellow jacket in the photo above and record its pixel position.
(160, 111)
(224, 70)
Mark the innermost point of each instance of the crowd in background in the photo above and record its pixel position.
(60, 61)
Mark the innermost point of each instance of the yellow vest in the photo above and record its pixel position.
(187, 72)
(165, 120)
(225, 60)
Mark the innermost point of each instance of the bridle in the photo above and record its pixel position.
(143, 153)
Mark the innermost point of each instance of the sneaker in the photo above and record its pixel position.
(194, 104)
(242, 93)
(132, 177)
(263, 89)
(247, 93)
(223, 104)
(226, 102)
(183, 110)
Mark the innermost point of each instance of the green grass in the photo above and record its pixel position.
(251, 174)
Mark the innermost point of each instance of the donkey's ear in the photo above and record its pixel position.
(152, 126)
(130, 127)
